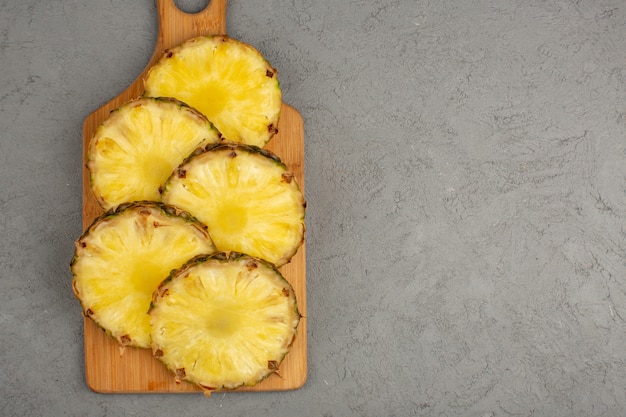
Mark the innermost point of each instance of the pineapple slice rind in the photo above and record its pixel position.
(123, 257)
(224, 320)
(247, 198)
(227, 80)
(138, 146)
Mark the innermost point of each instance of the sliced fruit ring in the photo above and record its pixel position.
(227, 80)
(138, 146)
(246, 196)
(123, 257)
(223, 321)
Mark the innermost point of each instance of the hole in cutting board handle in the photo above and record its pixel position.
(192, 6)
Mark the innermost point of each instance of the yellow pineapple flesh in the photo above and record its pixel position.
(223, 321)
(247, 198)
(123, 257)
(227, 80)
(138, 146)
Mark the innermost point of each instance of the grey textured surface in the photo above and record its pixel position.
(466, 180)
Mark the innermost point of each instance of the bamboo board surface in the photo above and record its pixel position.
(136, 371)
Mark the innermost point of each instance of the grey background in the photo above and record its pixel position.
(466, 181)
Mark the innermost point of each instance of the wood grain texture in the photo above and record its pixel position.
(107, 370)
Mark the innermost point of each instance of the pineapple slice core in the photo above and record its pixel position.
(233, 219)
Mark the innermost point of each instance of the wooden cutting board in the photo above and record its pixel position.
(136, 371)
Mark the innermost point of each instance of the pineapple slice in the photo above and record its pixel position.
(246, 196)
(227, 80)
(138, 146)
(123, 257)
(223, 321)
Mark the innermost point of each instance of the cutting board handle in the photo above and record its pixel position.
(176, 26)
